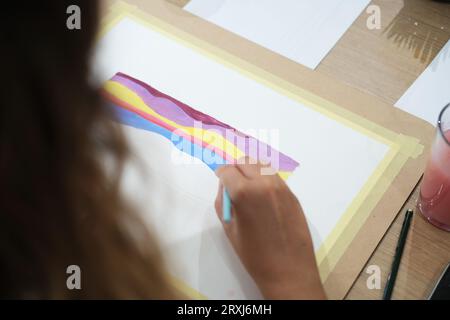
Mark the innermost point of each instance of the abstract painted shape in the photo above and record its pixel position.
(215, 143)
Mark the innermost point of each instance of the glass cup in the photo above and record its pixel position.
(434, 201)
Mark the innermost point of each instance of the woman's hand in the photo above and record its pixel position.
(269, 233)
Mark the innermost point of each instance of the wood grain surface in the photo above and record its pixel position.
(384, 63)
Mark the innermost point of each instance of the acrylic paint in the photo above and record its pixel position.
(141, 106)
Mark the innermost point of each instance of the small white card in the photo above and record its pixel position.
(430, 93)
(301, 30)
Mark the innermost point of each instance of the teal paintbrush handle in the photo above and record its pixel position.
(226, 206)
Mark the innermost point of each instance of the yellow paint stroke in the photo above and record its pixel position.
(210, 137)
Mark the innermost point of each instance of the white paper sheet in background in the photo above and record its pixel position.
(430, 93)
(178, 200)
(301, 30)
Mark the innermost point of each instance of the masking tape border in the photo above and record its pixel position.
(354, 218)
(185, 289)
(401, 147)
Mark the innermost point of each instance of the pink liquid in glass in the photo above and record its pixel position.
(434, 203)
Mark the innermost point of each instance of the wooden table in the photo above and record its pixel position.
(385, 63)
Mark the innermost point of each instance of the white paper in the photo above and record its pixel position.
(430, 93)
(178, 200)
(301, 30)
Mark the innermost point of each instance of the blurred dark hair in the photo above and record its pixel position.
(58, 205)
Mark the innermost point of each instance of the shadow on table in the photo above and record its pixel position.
(424, 37)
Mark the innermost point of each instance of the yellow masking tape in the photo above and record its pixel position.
(185, 290)
(356, 214)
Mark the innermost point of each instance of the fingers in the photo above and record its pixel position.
(249, 167)
(232, 178)
(219, 201)
(246, 173)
